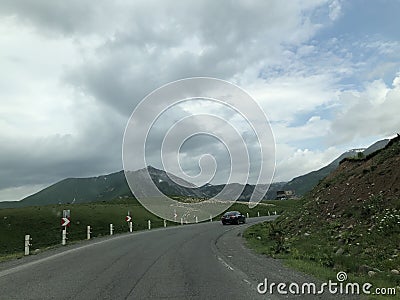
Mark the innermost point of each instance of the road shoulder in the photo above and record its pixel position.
(231, 248)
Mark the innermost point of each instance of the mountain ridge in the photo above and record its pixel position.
(114, 186)
(304, 183)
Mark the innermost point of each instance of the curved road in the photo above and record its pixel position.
(198, 261)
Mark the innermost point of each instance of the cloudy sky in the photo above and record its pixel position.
(326, 73)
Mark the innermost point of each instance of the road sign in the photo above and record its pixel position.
(128, 218)
(65, 222)
(66, 213)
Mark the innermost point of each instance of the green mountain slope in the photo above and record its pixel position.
(349, 222)
(81, 190)
(114, 186)
(305, 183)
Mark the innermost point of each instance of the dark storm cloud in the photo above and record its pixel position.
(146, 44)
(59, 17)
(123, 51)
(160, 43)
(94, 150)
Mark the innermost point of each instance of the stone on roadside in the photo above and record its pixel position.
(364, 269)
(339, 251)
(371, 273)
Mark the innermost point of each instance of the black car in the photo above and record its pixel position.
(233, 217)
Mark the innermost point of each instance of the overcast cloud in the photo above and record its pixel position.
(327, 74)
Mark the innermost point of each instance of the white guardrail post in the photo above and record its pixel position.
(64, 236)
(258, 214)
(247, 215)
(165, 223)
(27, 243)
(149, 224)
(181, 221)
(88, 232)
(130, 226)
(111, 229)
(210, 218)
(197, 220)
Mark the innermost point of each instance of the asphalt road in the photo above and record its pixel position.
(199, 261)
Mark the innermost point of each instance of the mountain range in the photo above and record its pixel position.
(114, 186)
(304, 183)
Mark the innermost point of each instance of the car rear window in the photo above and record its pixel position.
(231, 213)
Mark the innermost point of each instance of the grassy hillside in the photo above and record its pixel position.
(43, 222)
(349, 222)
(114, 186)
(81, 190)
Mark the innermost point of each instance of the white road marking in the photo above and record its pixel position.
(225, 264)
(248, 282)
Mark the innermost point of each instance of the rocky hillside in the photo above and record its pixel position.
(359, 180)
(351, 220)
(305, 183)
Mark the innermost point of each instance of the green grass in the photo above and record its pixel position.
(310, 245)
(326, 274)
(43, 222)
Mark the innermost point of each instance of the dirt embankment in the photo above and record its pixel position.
(351, 220)
(357, 181)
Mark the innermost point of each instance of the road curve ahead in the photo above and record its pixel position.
(183, 262)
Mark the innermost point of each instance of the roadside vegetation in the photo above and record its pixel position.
(43, 223)
(349, 222)
(368, 250)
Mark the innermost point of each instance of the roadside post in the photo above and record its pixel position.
(128, 219)
(64, 236)
(65, 222)
(27, 243)
(88, 232)
(197, 220)
(165, 223)
(210, 218)
(149, 224)
(130, 226)
(181, 221)
(258, 214)
(111, 229)
(247, 215)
